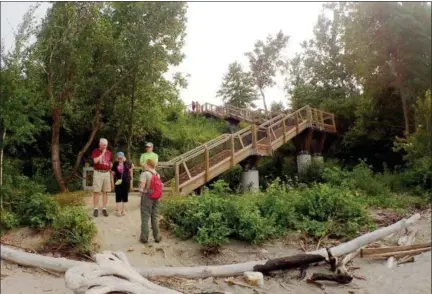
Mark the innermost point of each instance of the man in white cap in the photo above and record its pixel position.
(102, 163)
(149, 154)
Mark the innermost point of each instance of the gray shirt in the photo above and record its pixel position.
(147, 176)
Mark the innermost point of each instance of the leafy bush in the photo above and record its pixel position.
(324, 209)
(37, 211)
(71, 199)
(73, 228)
(217, 215)
(8, 220)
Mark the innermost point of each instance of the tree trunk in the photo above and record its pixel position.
(62, 264)
(3, 137)
(264, 100)
(132, 107)
(404, 98)
(55, 148)
(95, 130)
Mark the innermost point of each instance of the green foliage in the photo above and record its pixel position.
(330, 210)
(73, 228)
(8, 220)
(376, 190)
(36, 210)
(26, 204)
(418, 150)
(238, 87)
(265, 60)
(217, 215)
(71, 199)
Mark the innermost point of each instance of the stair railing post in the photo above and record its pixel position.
(309, 115)
(322, 119)
(207, 163)
(177, 178)
(232, 150)
(333, 122)
(269, 140)
(284, 129)
(254, 137)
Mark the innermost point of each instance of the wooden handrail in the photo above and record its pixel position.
(208, 160)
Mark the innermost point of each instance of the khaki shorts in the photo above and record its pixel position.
(101, 181)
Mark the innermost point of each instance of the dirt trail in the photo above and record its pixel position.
(121, 234)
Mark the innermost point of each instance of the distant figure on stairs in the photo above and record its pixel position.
(193, 106)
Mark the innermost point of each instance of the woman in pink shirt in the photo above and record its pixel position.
(121, 176)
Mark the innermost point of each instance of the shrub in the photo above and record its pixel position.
(71, 199)
(215, 217)
(8, 220)
(35, 211)
(324, 209)
(73, 228)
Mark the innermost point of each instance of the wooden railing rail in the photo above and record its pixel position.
(188, 171)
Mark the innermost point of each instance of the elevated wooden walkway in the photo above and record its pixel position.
(191, 170)
(234, 113)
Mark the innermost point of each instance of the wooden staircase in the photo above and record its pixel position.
(232, 112)
(191, 170)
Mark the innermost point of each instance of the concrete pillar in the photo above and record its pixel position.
(318, 159)
(250, 181)
(303, 162)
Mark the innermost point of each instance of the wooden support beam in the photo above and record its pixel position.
(241, 141)
(232, 151)
(321, 119)
(321, 141)
(308, 140)
(269, 141)
(296, 123)
(177, 178)
(254, 136)
(187, 170)
(284, 130)
(207, 164)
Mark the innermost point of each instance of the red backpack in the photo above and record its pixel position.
(155, 188)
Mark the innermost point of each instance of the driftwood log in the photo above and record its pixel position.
(111, 273)
(62, 264)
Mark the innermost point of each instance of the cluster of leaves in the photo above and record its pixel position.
(367, 63)
(381, 190)
(219, 215)
(25, 203)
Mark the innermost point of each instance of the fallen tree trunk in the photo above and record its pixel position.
(62, 264)
(111, 273)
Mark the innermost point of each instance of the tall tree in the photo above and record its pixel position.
(265, 60)
(390, 43)
(21, 109)
(64, 54)
(238, 87)
(153, 36)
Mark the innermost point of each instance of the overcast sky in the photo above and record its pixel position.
(218, 33)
